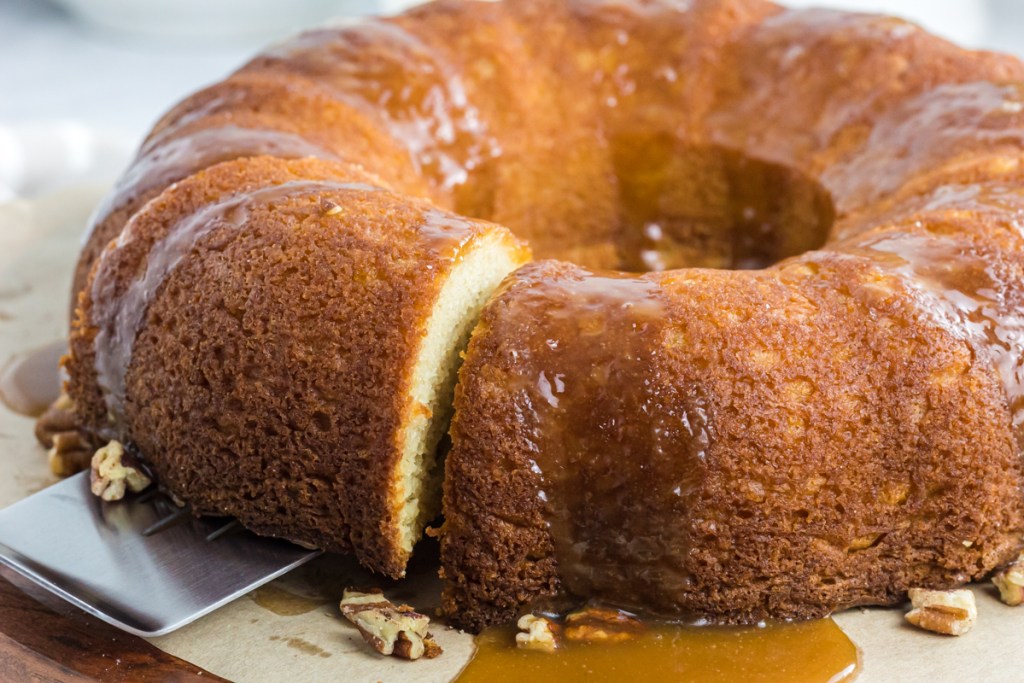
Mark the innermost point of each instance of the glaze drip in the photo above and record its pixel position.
(445, 231)
(158, 167)
(589, 385)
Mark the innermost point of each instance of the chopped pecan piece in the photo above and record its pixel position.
(602, 624)
(1010, 582)
(59, 418)
(389, 629)
(952, 612)
(110, 476)
(71, 453)
(70, 448)
(537, 633)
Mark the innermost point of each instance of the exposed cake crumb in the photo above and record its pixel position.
(57, 429)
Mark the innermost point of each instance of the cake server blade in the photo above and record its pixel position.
(140, 564)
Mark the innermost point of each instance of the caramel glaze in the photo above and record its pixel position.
(248, 115)
(157, 167)
(438, 111)
(181, 157)
(640, 474)
(970, 288)
(656, 487)
(909, 108)
(592, 334)
(809, 652)
(420, 98)
(123, 308)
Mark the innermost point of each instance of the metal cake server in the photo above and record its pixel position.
(142, 564)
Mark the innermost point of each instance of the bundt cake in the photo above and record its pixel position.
(770, 365)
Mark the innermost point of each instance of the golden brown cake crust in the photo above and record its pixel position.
(246, 115)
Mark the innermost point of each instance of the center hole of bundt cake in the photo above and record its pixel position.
(704, 206)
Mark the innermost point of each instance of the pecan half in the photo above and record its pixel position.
(71, 453)
(59, 418)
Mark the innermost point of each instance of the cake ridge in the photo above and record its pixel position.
(115, 340)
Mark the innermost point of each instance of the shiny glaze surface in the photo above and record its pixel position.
(972, 290)
(809, 652)
(907, 104)
(617, 445)
(420, 98)
(123, 311)
(663, 166)
(182, 156)
(617, 440)
(924, 132)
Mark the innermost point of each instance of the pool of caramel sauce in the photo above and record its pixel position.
(802, 652)
(30, 381)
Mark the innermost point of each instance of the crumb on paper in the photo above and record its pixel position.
(330, 208)
(110, 478)
(1010, 582)
(952, 612)
(392, 630)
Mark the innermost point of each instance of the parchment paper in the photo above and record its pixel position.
(292, 628)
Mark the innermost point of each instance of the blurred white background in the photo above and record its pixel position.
(82, 80)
